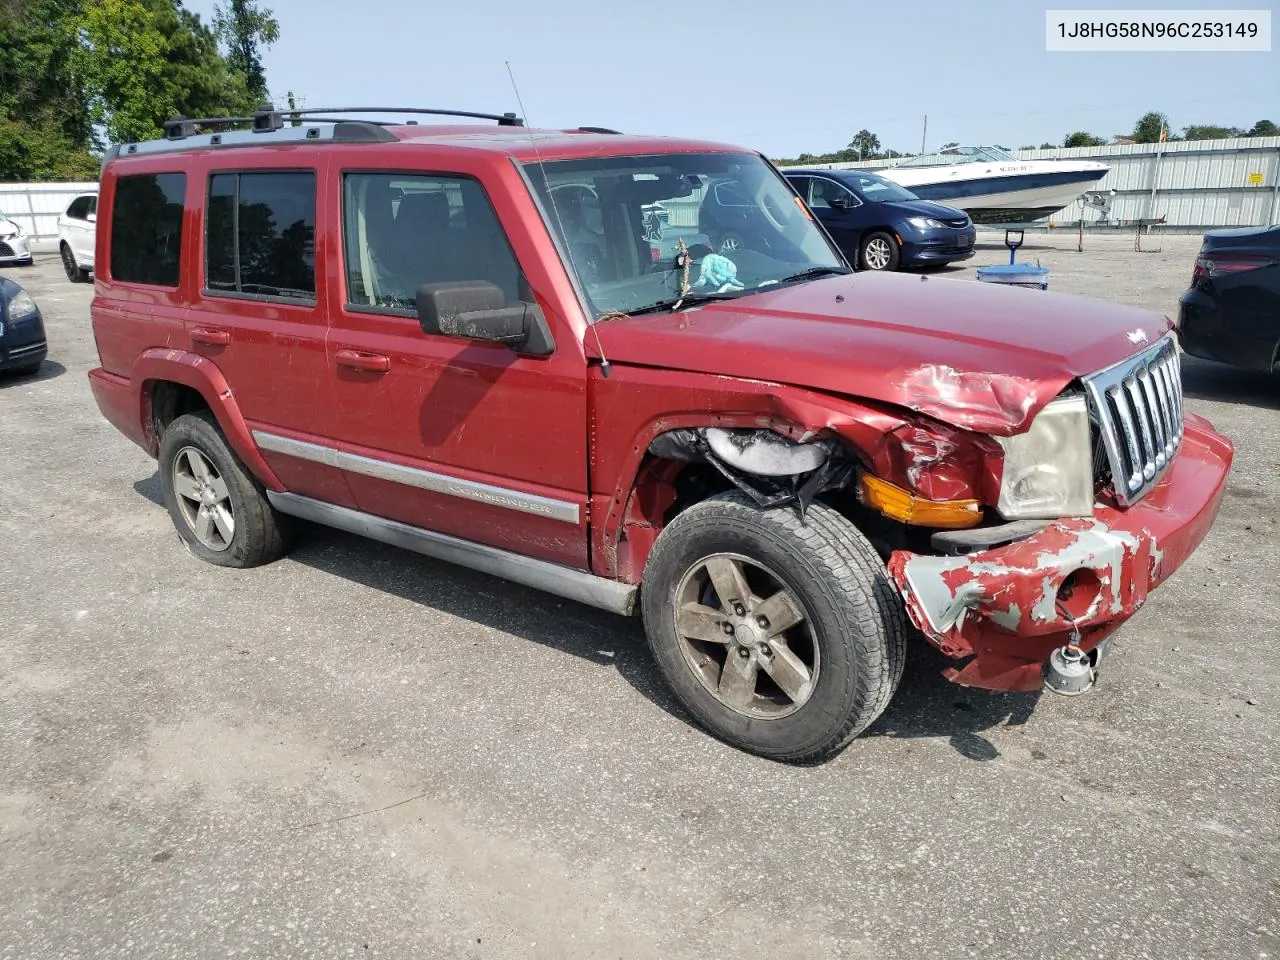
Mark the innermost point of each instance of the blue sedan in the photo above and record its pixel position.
(22, 342)
(880, 225)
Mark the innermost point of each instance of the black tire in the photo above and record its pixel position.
(260, 535)
(75, 273)
(826, 563)
(879, 240)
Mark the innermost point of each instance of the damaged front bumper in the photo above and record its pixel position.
(1003, 611)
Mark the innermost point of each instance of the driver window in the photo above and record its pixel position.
(824, 191)
(401, 231)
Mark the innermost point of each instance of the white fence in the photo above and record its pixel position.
(37, 206)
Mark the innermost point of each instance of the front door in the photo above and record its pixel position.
(840, 211)
(461, 437)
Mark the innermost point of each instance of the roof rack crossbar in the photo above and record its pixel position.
(180, 126)
(503, 119)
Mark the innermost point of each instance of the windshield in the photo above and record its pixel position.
(622, 220)
(954, 155)
(877, 189)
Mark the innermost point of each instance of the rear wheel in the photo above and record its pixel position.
(781, 638)
(879, 252)
(221, 513)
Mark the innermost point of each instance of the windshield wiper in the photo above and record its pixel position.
(692, 298)
(810, 274)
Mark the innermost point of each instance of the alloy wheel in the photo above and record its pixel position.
(746, 636)
(203, 499)
(877, 253)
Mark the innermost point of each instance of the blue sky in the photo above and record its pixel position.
(779, 78)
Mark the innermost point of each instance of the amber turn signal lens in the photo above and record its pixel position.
(906, 507)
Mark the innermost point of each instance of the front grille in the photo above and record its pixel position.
(1137, 407)
(962, 222)
(5, 249)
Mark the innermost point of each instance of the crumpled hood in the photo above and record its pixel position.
(974, 355)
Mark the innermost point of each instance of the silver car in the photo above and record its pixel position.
(13, 242)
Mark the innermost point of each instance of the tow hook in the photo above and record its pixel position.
(1069, 671)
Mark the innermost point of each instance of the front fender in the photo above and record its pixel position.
(202, 375)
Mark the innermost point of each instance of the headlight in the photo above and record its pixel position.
(21, 307)
(9, 229)
(926, 223)
(1048, 471)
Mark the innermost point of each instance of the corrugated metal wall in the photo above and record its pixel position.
(37, 206)
(1197, 183)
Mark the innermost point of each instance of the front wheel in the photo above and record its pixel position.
(879, 252)
(781, 638)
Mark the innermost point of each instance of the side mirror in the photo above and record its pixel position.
(839, 203)
(91, 217)
(478, 310)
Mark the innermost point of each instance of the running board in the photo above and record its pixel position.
(564, 582)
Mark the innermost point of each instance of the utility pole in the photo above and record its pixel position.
(924, 133)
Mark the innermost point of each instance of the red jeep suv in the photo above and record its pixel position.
(460, 340)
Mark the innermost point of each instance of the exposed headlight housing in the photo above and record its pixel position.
(926, 223)
(21, 307)
(1048, 471)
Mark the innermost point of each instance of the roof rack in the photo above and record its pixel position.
(269, 119)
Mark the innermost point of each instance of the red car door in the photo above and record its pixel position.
(259, 319)
(456, 436)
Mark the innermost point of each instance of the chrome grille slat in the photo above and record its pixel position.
(1137, 406)
(1147, 380)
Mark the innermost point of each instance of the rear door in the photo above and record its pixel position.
(456, 436)
(78, 229)
(258, 315)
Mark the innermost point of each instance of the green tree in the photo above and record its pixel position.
(1210, 132)
(1149, 127)
(44, 120)
(865, 143)
(1264, 128)
(1082, 139)
(243, 29)
(144, 61)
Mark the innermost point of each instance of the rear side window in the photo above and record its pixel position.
(260, 231)
(146, 228)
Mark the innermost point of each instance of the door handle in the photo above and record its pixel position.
(215, 338)
(356, 360)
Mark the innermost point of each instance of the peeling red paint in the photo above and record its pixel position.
(1000, 607)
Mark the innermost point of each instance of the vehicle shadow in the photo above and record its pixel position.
(1206, 380)
(928, 705)
(48, 371)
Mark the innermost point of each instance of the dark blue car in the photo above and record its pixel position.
(22, 343)
(880, 225)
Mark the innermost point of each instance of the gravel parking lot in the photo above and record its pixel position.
(361, 752)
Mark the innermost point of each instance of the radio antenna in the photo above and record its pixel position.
(551, 199)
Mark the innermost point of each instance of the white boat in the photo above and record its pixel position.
(994, 186)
